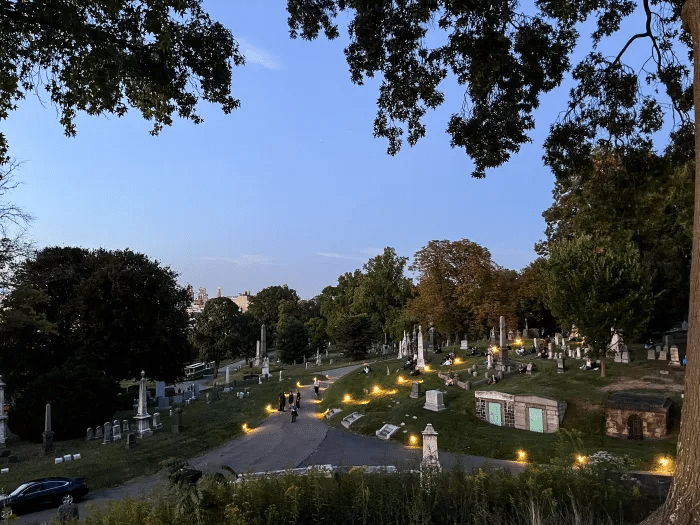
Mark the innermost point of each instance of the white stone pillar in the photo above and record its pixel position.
(430, 449)
(420, 364)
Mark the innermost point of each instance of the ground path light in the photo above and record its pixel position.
(522, 455)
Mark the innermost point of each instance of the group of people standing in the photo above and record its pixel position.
(293, 401)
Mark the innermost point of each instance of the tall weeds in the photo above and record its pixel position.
(553, 495)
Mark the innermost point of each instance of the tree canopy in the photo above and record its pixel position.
(160, 58)
(105, 314)
(265, 307)
(217, 330)
(599, 286)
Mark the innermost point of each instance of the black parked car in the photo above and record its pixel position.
(44, 492)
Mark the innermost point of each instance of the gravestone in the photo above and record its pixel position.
(157, 425)
(130, 440)
(550, 350)
(349, 420)
(177, 400)
(662, 355)
(529, 369)
(98, 432)
(415, 390)
(433, 401)
(125, 426)
(651, 354)
(560, 366)
(178, 427)
(675, 359)
(420, 362)
(430, 449)
(463, 344)
(386, 432)
(160, 389)
(489, 363)
(625, 356)
(163, 402)
(536, 344)
(618, 357)
(116, 432)
(108, 432)
(474, 373)
(333, 412)
(47, 435)
(578, 352)
(89, 435)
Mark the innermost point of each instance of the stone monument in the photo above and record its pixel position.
(431, 340)
(420, 364)
(266, 367)
(433, 401)
(3, 417)
(503, 360)
(430, 449)
(142, 417)
(47, 434)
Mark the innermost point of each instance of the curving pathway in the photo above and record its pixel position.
(279, 444)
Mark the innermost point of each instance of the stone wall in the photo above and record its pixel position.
(654, 424)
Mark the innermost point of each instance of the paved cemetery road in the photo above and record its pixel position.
(278, 444)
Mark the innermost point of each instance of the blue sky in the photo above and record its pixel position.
(289, 189)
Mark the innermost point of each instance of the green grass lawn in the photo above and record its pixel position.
(206, 426)
(460, 430)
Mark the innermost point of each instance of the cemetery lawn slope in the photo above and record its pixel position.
(386, 399)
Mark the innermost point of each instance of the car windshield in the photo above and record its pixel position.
(20, 489)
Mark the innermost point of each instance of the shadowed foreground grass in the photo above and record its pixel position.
(552, 495)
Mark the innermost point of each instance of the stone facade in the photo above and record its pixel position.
(637, 416)
(515, 409)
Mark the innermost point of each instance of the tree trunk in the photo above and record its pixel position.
(682, 506)
(603, 364)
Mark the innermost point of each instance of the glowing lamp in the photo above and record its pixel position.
(413, 440)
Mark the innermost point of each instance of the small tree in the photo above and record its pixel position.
(354, 335)
(600, 287)
(292, 338)
(216, 330)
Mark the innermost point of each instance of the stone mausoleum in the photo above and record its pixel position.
(637, 416)
(524, 411)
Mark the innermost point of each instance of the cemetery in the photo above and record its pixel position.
(532, 399)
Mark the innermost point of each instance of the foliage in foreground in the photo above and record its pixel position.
(543, 495)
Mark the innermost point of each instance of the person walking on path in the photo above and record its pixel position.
(316, 385)
(294, 413)
(298, 399)
(281, 399)
(291, 398)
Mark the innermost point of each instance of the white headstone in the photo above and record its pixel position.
(420, 362)
(433, 401)
(675, 359)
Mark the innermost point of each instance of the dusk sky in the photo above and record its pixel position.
(289, 189)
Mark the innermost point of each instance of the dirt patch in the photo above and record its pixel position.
(660, 383)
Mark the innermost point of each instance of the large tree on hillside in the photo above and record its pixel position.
(459, 288)
(601, 287)
(634, 195)
(506, 56)
(88, 319)
(383, 289)
(265, 307)
(159, 58)
(339, 301)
